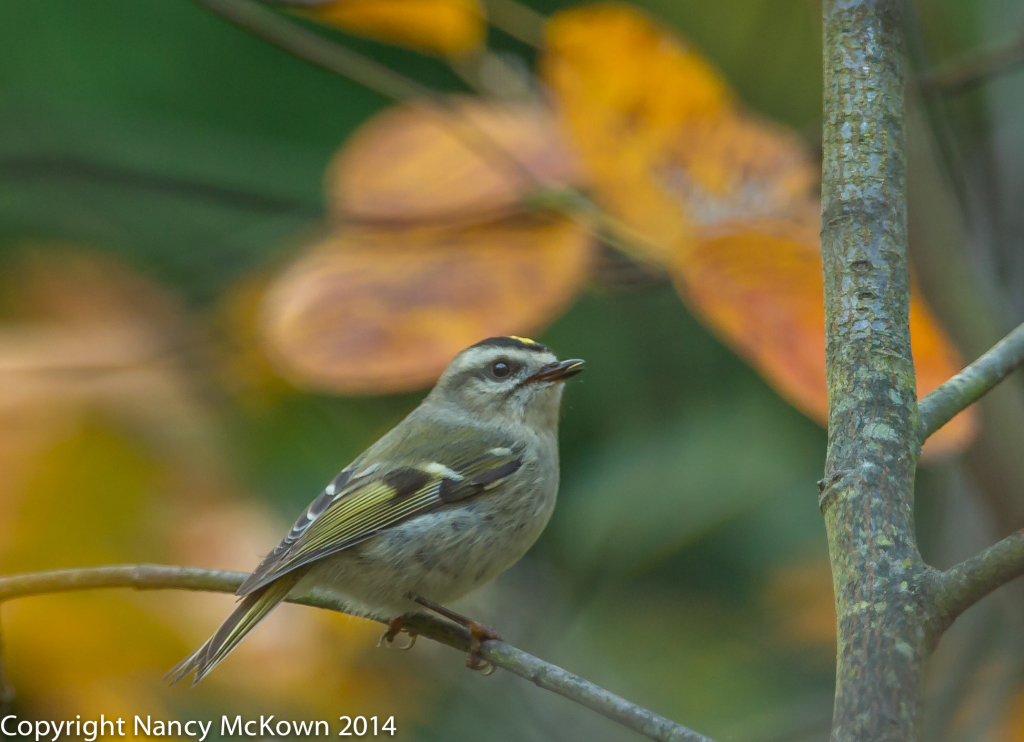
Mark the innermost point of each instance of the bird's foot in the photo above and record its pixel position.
(478, 634)
(394, 629)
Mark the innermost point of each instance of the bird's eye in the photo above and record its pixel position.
(501, 369)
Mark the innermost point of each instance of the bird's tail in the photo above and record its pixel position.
(252, 609)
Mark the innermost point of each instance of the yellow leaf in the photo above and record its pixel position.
(451, 28)
(666, 147)
(612, 65)
(624, 86)
(737, 167)
(368, 312)
(758, 285)
(471, 163)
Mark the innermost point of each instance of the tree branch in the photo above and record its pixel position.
(540, 673)
(321, 52)
(517, 20)
(313, 48)
(318, 51)
(868, 488)
(971, 384)
(70, 166)
(962, 586)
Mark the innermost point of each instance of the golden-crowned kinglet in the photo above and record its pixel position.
(443, 503)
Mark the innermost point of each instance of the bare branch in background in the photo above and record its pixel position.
(971, 384)
(517, 20)
(537, 671)
(313, 48)
(962, 586)
(321, 52)
(961, 74)
(63, 166)
(324, 53)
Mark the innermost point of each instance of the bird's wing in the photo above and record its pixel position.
(359, 505)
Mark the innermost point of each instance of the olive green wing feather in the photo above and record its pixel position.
(351, 509)
(354, 508)
(250, 611)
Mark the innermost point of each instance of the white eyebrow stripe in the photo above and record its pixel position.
(475, 357)
(433, 467)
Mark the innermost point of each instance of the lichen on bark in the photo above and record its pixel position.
(867, 492)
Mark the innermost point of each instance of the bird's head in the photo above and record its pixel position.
(509, 379)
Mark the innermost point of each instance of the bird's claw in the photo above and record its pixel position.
(478, 634)
(394, 629)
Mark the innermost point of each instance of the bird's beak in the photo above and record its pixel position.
(557, 371)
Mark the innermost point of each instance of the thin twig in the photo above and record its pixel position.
(962, 586)
(324, 53)
(315, 49)
(65, 166)
(971, 384)
(974, 68)
(6, 688)
(537, 671)
(517, 20)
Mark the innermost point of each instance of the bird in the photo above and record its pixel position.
(440, 505)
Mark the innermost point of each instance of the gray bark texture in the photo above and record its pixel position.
(891, 607)
(867, 494)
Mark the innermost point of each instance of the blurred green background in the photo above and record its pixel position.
(155, 160)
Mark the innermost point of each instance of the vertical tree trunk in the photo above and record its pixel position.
(867, 493)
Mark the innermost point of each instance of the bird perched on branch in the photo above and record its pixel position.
(443, 503)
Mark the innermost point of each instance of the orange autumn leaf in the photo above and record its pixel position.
(470, 163)
(623, 86)
(758, 285)
(384, 311)
(693, 181)
(738, 167)
(665, 144)
(612, 64)
(450, 28)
